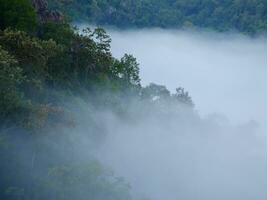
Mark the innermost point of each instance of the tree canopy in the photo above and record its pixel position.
(247, 16)
(41, 71)
(17, 14)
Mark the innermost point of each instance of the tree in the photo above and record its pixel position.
(17, 14)
(10, 78)
(155, 92)
(183, 97)
(246, 16)
(127, 69)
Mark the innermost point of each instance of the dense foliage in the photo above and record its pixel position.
(47, 76)
(17, 14)
(247, 16)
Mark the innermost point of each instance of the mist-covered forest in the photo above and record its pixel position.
(76, 122)
(49, 73)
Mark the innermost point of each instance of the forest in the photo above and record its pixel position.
(246, 16)
(70, 108)
(50, 73)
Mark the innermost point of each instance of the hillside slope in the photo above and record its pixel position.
(247, 16)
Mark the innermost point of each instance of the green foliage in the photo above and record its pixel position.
(11, 78)
(74, 63)
(127, 70)
(160, 94)
(46, 166)
(84, 181)
(155, 92)
(247, 16)
(38, 75)
(31, 53)
(17, 14)
(61, 33)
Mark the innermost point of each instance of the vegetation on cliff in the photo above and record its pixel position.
(49, 72)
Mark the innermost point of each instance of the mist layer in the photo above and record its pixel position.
(224, 73)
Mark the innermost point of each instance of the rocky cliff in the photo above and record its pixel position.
(46, 15)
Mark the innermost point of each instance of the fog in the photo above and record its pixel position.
(224, 73)
(177, 157)
(218, 152)
(163, 147)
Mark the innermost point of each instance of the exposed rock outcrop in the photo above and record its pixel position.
(46, 15)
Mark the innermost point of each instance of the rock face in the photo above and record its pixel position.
(46, 15)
